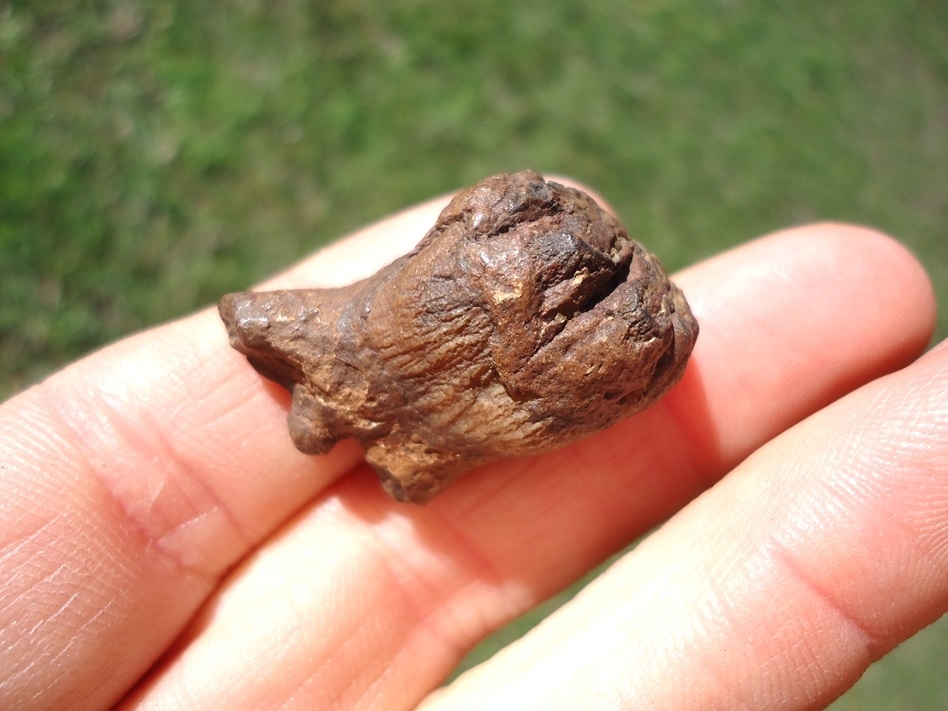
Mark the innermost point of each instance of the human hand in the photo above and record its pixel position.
(164, 545)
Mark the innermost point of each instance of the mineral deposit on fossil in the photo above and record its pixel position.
(526, 319)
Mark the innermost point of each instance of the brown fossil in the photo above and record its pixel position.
(525, 319)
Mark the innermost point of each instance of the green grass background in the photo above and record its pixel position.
(154, 155)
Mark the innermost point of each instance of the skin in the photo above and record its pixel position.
(164, 545)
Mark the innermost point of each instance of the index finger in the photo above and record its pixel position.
(130, 481)
(135, 478)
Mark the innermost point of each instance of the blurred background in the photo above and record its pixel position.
(155, 155)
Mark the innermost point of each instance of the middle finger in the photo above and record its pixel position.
(360, 599)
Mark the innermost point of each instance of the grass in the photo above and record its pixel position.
(156, 155)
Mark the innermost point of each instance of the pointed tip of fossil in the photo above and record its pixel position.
(231, 307)
(249, 319)
(227, 306)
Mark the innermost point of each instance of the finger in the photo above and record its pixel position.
(132, 480)
(777, 588)
(387, 597)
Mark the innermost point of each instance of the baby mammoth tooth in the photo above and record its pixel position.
(526, 319)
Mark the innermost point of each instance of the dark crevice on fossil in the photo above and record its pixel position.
(524, 320)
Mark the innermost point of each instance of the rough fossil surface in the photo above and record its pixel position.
(526, 319)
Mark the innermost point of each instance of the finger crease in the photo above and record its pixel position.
(873, 644)
(140, 492)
